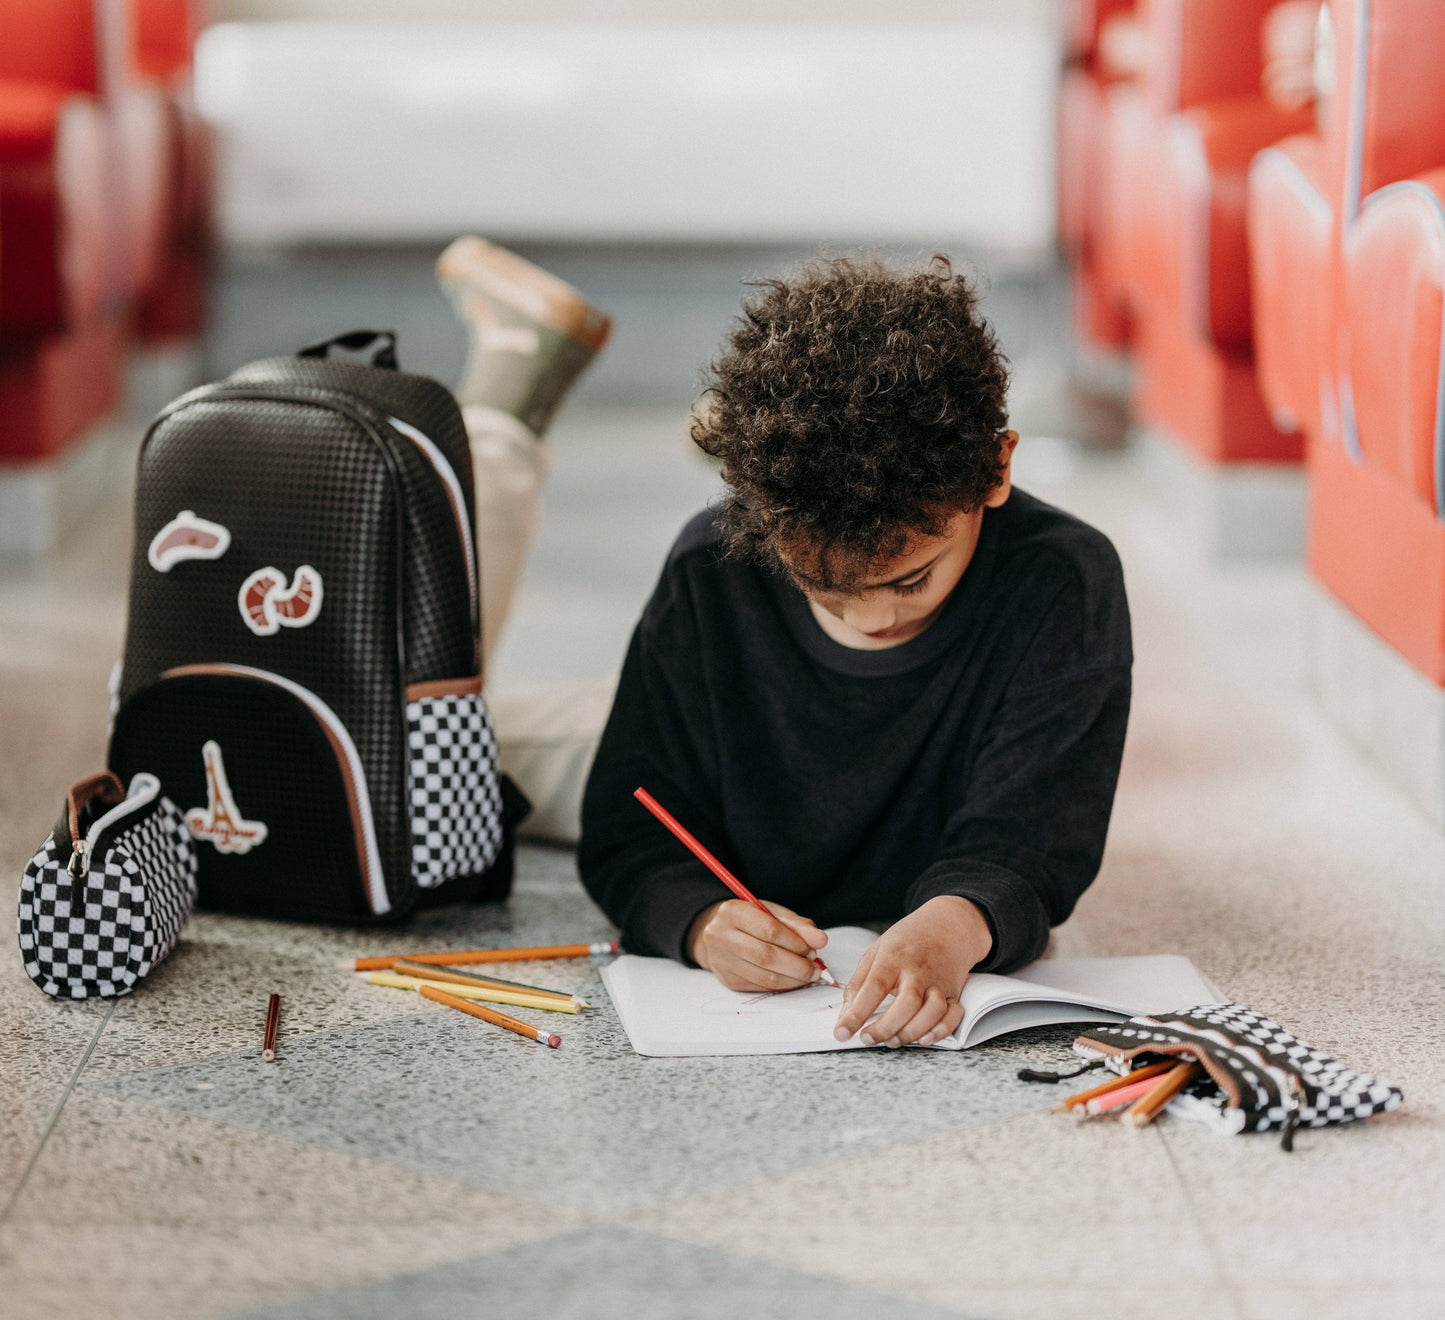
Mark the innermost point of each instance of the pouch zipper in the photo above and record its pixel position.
(82, 850)
(455, 496)
(373, 876)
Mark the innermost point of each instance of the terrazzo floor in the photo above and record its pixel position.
(399, 1160)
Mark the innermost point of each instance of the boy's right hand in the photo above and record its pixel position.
(746, 949)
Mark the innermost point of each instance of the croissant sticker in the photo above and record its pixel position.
(267, 606)
(187, 537)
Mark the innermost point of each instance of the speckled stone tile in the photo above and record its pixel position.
(1037, 1204)
(591, 1125)
(606, 1273)
(209, 998)
(1353, 1207)
(168, 1214)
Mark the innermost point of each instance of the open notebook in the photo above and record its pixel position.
(667, 1009)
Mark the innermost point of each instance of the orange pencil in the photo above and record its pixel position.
(1138, 1075)
(1144, 1110)
(487, 955)
(490, 1015)
(713, 865)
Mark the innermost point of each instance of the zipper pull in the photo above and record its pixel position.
(1291, 1118)
(79, 863)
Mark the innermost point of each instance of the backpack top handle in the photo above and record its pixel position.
(383, 353)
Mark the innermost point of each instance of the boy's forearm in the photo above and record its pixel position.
(1017, 917)
(653, 905)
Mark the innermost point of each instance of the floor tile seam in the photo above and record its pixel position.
(1224, 1283)
(14, 1198)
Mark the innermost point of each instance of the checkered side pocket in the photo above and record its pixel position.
(100, 935)
(455, 797)
(1261, 1077)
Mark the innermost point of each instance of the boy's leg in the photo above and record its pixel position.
(547, 737)
(531, 335)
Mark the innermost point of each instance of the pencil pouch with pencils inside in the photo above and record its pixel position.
(106, 897)
(1257, 1077)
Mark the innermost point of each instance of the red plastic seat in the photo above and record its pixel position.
(1347, 228)
(84, 192)
(1291, 230)
(1180, 148)
(1099, 319)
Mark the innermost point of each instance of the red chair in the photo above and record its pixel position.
(83, 193)
(1377, 465)
(59, 340)
(1099, 322)
(1180, 147)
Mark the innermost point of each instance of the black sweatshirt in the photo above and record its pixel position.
(978, 758)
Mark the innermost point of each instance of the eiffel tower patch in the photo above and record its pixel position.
(220, 820)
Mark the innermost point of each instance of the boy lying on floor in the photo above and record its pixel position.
(880, 683)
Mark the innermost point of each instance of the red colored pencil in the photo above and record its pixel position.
(273, 1023)
(712, 864)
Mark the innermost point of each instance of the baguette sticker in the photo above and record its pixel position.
(187, 537)
(220, 821)
(267, 607)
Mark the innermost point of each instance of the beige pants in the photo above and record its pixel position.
(547, 734)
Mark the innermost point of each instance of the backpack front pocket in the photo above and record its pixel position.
(454, 795)
(272, 787)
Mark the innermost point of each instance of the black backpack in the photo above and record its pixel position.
(302, 660)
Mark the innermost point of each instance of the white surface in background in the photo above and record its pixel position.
(389, 131)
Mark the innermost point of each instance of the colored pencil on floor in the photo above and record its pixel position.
(1113, 1084)
(464, 956)
(273, 1025)
(490, 1015)
(427, 972)
(493, 996)
(1144, 1110)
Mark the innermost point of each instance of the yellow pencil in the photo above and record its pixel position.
(423, 972)
(482, 992)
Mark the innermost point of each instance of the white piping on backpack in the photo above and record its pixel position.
(454, 494)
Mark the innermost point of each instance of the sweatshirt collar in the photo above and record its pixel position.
(958, 615)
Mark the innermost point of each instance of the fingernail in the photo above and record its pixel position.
(867, 1038)
(841, 1033)
(892, 1042)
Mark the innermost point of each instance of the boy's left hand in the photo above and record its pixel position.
(922, 961)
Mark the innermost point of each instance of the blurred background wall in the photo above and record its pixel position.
(697, 123)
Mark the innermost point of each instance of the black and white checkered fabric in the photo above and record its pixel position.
(100, 936)
(455, 795)
(1277, 1077)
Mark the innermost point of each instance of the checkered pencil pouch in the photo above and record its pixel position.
(105, 898)
(1259, 1077)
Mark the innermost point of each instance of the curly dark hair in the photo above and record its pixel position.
(854, 407)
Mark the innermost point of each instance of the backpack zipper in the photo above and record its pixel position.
(354, 773)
